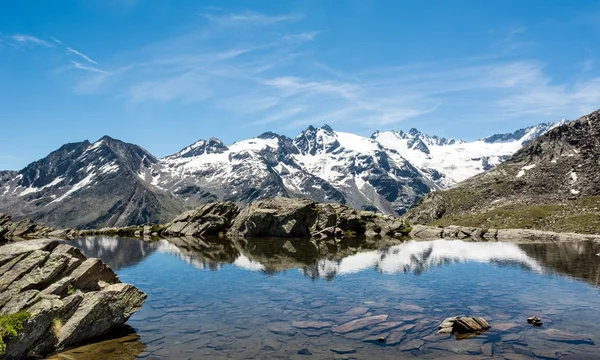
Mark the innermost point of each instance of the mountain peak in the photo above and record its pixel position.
(327, 128)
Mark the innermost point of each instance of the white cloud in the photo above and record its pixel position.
(248, 18)
(29, 39)
(87, 68)
(83, 56)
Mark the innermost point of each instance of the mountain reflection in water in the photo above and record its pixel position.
(328, 259)
(266, 298)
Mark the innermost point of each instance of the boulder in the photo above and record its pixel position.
(64, 298)
(463, 325)
(206, 220)
(427, 232)
(277, 217)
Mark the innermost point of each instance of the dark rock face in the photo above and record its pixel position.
(69, 298)
(84, 185)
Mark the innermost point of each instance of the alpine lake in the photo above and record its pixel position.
(299, 299)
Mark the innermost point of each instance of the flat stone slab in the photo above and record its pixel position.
(358, 324)
(312, 325)
(563, 336)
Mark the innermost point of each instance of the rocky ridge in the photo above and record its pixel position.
(550, 184)
(60, 297)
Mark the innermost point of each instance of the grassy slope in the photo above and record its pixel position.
(580, 216)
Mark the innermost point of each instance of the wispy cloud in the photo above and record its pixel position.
(29, 39)
(248, 18)
(273, 77)
(87, 68)
(83, 56)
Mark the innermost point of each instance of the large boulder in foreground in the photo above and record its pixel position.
(59, 298)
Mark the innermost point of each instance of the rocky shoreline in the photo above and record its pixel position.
(285, 217)
(507, 235)
(52, 297)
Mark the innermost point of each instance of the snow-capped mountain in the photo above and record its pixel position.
(457, 160)
(319, 163)
(88, 185)
(111, 183)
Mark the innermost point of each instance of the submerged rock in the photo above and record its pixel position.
(68, 299)
(360, 323)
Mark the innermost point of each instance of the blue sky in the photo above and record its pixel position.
(164, 74)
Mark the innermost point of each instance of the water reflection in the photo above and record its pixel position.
(328, 259)
(223, 306)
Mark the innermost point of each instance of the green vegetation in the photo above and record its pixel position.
(580, 216)
(10, 325)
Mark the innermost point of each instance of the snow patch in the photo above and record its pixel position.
(31, 190)
(80, 185)
(523, 169)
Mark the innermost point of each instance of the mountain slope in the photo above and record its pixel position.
(88, 185)
(457, 160)
(550, 184)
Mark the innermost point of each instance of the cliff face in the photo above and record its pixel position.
(551, 184)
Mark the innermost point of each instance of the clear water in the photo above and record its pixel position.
(252, 299)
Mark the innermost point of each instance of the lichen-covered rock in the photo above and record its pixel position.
(68, 299)
(206, 220)
(279, 217)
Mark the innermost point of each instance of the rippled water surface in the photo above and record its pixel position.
(268, 298)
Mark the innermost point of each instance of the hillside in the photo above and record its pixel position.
(550, 184)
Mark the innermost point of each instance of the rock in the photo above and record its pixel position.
(40, 279)
(342, 350)
(277, 217)
(208, 219)
(90, 272)
(358, 324)
(313, 325)
(426, 232)
(270, 344)
(463, 325)
(409, 308)
(535, 321)
(357, 311)
(563, 336)
(414, 344)
(506, 326)
(395, 337)
(304, 351)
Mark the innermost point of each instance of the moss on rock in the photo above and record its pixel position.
(10, 325)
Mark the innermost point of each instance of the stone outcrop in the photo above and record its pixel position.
(506, 235)
(285, 217)
(68, 299)
(206, 220)
(463, 325)
(23, 229)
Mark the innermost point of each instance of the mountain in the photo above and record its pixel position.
(550, 184)
(457, 160)
(112, 183)
(88, 185)
(319, 163)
